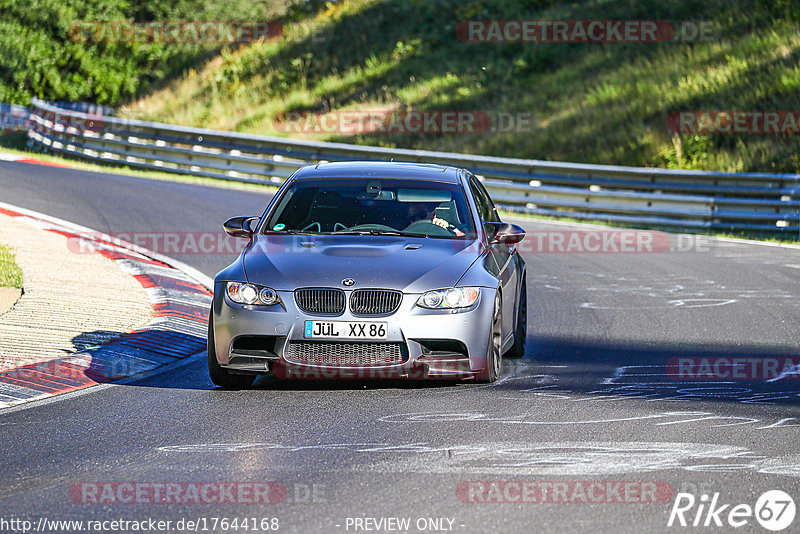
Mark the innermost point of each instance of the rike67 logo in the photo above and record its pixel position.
(774, 510)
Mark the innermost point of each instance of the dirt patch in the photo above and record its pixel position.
(8, 297)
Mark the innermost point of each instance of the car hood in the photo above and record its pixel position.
(412, 265)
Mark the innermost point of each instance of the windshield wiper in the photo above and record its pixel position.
(382, 232)
(291, 232)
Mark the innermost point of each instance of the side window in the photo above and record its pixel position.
(485, 206)
(493, 217)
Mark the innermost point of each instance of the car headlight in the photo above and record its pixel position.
(251, 294)
(457, 297)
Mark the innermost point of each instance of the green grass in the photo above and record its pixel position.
(44, 53)
(10, 273)
(593, 103)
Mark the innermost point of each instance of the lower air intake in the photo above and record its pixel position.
(335, 354)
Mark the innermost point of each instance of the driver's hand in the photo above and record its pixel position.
(441, 222)
(446, 225)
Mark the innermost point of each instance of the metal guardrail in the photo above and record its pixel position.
(754, 202)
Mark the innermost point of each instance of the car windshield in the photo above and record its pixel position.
(373, 207)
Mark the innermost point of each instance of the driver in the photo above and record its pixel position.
(426, 211)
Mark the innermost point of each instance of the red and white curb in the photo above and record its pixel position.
(17, 158)
(180, 296)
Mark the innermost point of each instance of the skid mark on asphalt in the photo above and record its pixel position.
(568, 458)
(630, 382)
(677, 303)
(653, 381)
(746, 255)
(615, 292)
(657, 419)
(650, 383)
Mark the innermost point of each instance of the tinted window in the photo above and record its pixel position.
(337, 205)
(485, 205)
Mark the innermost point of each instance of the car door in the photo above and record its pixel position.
(504, 257)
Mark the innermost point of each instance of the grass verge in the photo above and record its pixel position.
(10, 272)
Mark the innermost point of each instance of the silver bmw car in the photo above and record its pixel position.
(366, 270)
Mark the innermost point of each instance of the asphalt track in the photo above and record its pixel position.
(592, 401)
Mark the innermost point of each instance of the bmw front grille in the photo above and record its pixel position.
(363, 302)
(375, 301)
(323, 301)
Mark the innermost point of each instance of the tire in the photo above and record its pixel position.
(494, 358)
(219, 376)
(517, 350)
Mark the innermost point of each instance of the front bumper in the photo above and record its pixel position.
(418, 331)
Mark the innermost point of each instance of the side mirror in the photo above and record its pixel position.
(504, 233)
(239, 227)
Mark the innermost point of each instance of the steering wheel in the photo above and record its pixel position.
(366, 227)
(336, 227)
(426, 226)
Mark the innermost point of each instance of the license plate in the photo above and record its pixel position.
(344, 330)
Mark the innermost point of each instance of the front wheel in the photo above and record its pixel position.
(494, 358)
(219, 376)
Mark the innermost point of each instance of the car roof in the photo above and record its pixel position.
(380, 169)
